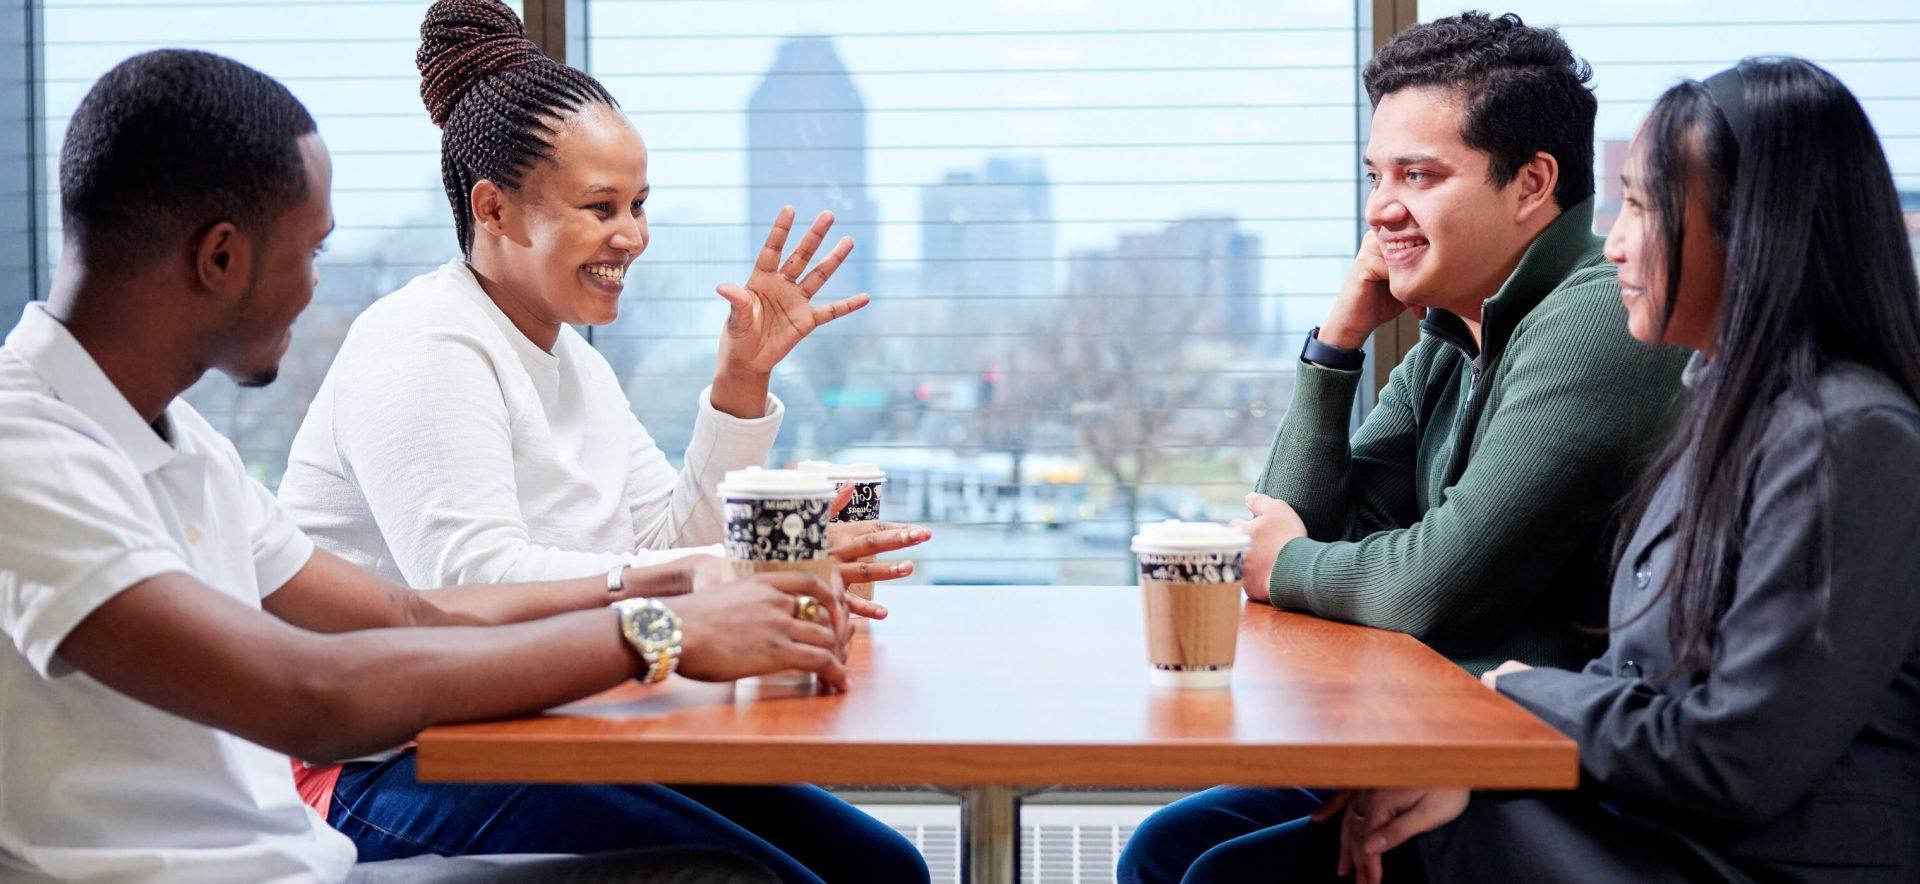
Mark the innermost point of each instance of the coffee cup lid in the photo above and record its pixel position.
(760, 482)
(1174, 536)
(846, 472)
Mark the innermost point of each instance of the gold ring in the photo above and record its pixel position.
(806, 608)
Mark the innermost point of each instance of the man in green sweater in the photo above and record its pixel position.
(1473, 507)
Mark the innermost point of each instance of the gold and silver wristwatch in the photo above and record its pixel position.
(654, 631)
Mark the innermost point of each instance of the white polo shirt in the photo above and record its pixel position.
(94, 785)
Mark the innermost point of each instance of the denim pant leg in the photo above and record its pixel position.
(656, 865)
(390, 815)
(1249, 826)
(834, 839)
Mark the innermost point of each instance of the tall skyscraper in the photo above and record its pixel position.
(807, 146)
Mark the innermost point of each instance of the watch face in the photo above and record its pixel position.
(656, 625)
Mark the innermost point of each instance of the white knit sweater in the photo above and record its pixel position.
(445, 448)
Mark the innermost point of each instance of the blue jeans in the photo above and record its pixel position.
(1226, 835)
(800, 832)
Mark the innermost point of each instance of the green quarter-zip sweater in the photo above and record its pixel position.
(1475, 506)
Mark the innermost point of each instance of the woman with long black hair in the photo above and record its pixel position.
(1756, 716)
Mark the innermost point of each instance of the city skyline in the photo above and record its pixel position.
(1212, 156)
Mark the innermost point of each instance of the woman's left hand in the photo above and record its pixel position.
(1508, 668)
(1378, 820)
(849, 542)
(775, 309)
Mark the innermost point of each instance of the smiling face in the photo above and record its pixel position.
(1450, 236)
(560, 245)
(1637, 247)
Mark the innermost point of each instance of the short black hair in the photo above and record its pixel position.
(1523, 89)
(171, 142)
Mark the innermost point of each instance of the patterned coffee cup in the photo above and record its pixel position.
(1190, 576)
(776, 520)
(864, 506)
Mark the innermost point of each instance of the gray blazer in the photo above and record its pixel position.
(1797, 757)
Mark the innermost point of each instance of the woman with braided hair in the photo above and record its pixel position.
(466, 433)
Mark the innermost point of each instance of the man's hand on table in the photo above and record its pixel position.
(1374, 821)
(1274, 525)
(709, 571)
(1508, 668)
(747, 627)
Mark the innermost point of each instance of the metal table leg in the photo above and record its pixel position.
(990, 835)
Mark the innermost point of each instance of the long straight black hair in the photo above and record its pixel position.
(1818, 270)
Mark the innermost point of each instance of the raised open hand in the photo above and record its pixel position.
(775, 309)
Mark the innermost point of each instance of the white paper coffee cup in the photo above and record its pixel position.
(775, 515)
(776, 520)
(867, 480)
(1190, 575)
(864, 506)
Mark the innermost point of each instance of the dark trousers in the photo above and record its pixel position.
(1225, 835)
(658, 865)
(800, 832)
(1236, 835)
(1570, 838)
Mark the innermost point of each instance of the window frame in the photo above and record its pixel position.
(558, 27)
(1391, 342)
(24, 271)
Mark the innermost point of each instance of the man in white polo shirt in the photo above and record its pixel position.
(171, 637)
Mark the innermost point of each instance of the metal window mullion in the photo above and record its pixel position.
(559, 28)
(28, 215)
(538, 15)
(546, 22)
(1391, 342)
(40, 215)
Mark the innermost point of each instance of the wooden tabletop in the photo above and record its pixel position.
(1044, 686)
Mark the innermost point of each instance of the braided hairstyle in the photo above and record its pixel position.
(495, 96)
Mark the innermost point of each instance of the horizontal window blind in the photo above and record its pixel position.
(1638, 50)
(1094, 232)
(352, 63)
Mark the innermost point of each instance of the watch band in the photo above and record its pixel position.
(661, 657)
(1331, 356)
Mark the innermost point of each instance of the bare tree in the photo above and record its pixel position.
(1131, 375)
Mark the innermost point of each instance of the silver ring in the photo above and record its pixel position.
(1358, 817)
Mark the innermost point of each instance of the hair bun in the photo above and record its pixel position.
(462, 41)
